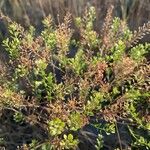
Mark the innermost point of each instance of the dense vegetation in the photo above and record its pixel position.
(61, 84)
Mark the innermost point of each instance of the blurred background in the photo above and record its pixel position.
(31, 12)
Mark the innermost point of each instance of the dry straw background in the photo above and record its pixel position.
(29, 12)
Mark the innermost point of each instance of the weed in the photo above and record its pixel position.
(108, 78)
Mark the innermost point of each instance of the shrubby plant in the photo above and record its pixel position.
(108, 78)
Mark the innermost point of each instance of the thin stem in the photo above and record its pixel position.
(118, 136)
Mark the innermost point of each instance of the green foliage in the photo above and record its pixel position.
(47, 147)
(30, 35)
(139, 141)
(48, 34)
(56, 126)
(94, 103)
(18, 117)
(88, 19)
(12, 44)
(116, 24)
(68, 142)
(86, 24)
(135, 98)
(120, 29)
(109, 128)
(46, 80)
(138, 52)
(33, 144)
(91, 16)
(75, 121)
(99, 144)
(21, 71)
(78, 63)
(117, 51)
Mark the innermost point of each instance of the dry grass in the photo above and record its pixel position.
(32, 11)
